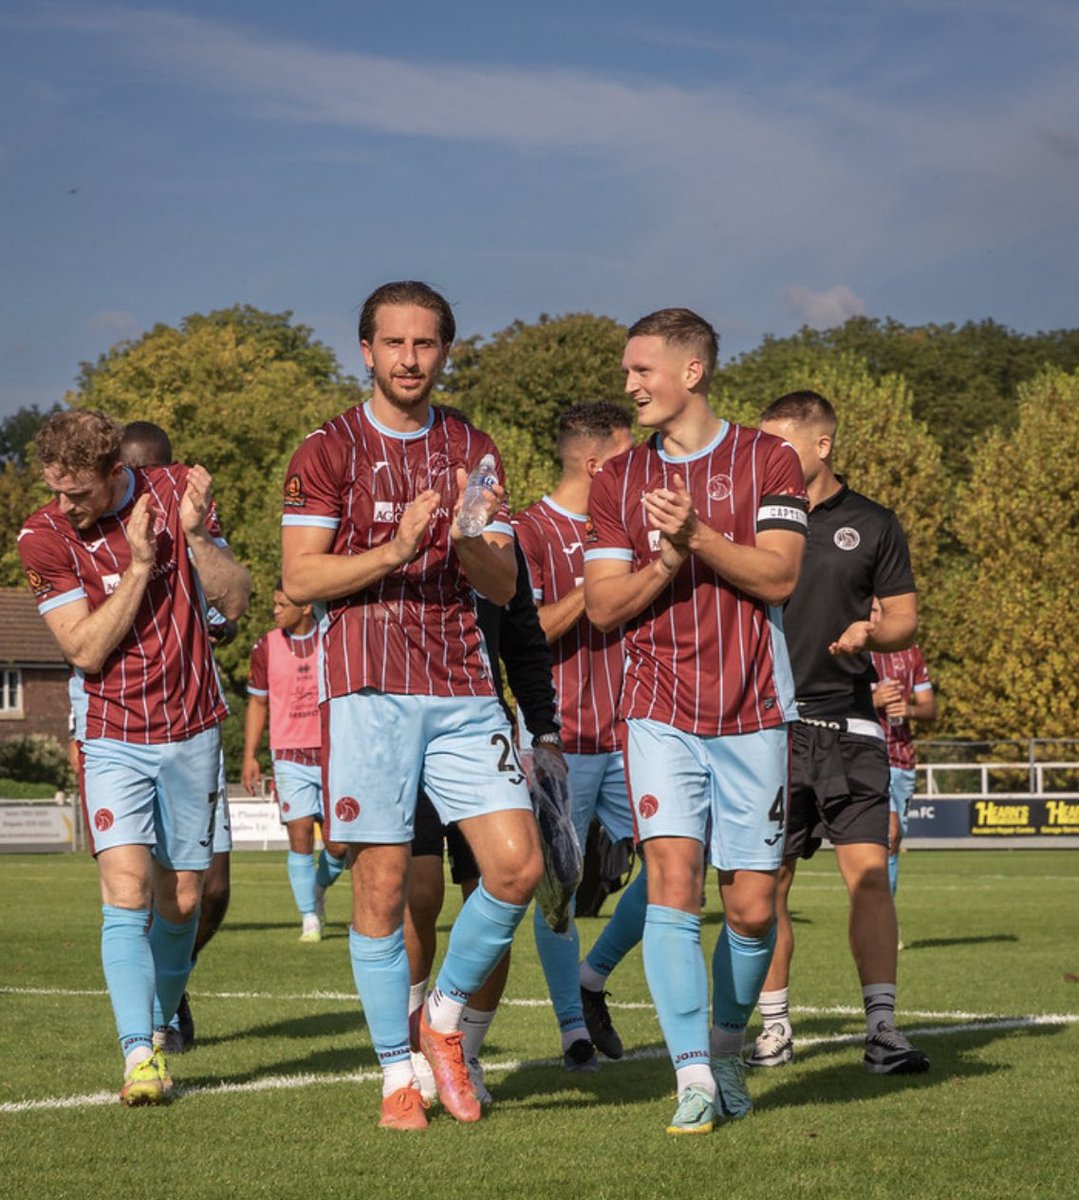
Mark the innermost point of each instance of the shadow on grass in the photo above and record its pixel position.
(845, 1082)
(933, 943)
(315, 1025)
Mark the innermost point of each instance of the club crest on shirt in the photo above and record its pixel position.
(590, 535)
(648, 805)
(720, 487)
(847, 538)
(294, 497)
(103, 820)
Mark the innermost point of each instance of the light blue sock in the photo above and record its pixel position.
(480, 936)
(329, 868)
(559, 954)
(171, 945)
(380, 969)
(301, 875)
(129, 974)
(674, 967)
(893, 872)
(739, 966)
(624, 930)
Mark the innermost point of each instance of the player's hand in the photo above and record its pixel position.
(195, 505)
(251, 775)
(852, 639)
(140, 532)
(492, 495)
(886, 692)
(671, 511)
(413, 525)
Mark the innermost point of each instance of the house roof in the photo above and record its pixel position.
(24, 636)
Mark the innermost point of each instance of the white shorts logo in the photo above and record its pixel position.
(847, 538)
(720, 487)
(384, 511)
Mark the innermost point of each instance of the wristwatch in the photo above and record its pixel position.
(554, 738)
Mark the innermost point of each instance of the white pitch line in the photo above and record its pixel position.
(830, 1010)
(292, 1082)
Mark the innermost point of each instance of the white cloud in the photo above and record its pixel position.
(824, 310)
(116, 323)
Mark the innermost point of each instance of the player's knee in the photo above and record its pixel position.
(515, 877)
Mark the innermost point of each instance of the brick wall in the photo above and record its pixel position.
(44, 705)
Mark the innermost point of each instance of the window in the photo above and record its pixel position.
(11, 691)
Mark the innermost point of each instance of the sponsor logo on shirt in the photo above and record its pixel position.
(294, 497)
(111, 582)
(847, 538)
(653, 540)
(384, 512)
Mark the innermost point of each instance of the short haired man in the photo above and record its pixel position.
(839, 772)
(145, 444)
(696, 541)
(588, 680)
(370, 529)
(903, 693)
(282, 686)
(121, 563)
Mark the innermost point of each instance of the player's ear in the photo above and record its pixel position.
(694, 373)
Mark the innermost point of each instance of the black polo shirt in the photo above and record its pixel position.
(855, 550)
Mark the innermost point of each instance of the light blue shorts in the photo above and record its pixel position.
(729, 793)
(383, 748)
(900, 791)
(597, 787)
(299, 790)
(222, 824)
(163, 795)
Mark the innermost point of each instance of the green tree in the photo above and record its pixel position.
(881, 448)
(1006, 659)
(18, 431)
(964, 379)
(526, 375)
(237, 390)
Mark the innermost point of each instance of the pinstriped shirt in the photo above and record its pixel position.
(160, 684)
(587, 663)
(703, 656)
(414, 632)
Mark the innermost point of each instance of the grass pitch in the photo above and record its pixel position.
(280, 1096)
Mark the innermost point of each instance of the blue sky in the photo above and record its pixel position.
(769, 164)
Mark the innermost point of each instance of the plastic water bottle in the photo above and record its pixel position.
(472, 517)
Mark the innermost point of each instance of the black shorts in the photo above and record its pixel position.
(429, 836)
(839, 790)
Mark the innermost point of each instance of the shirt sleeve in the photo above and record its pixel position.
(528, 538)
(500, 523)
(258, 677)
(784, 503)
(919, 670)
(527, 657)
(312, 487)
(893, 574)
(605, 533)
(49, 567)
